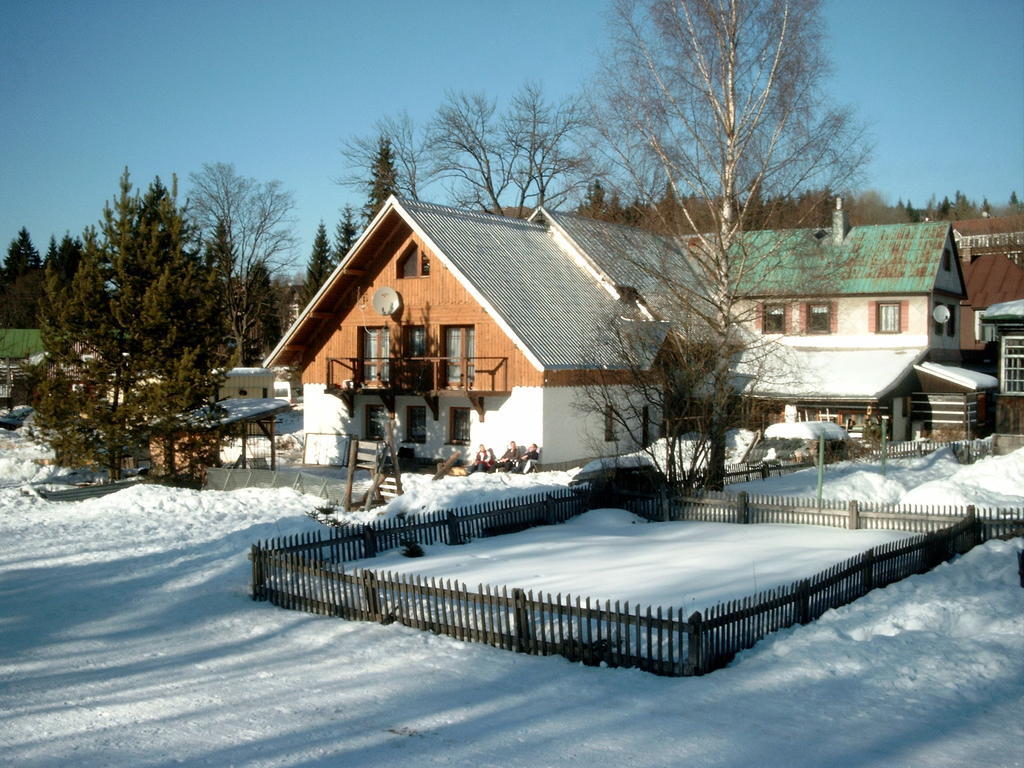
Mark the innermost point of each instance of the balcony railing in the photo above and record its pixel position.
(419, 374)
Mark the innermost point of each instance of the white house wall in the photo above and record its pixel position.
(573, 433)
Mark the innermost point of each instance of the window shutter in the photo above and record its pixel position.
(786, 320)
(904, 316)
(873, 317)
(833, 317)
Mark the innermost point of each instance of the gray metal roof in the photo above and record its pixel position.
(629, 256)
(554, 308)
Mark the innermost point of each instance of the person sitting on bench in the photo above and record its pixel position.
(483, 461)
(509, 459)
(527, 459)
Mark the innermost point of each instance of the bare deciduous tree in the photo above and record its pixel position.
(720, 102)
(246, 227)
(523, 158)
(413, 166)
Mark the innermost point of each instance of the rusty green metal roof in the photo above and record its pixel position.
(879, 259)
(18, 343)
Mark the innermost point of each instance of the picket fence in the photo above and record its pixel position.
(743, 508)
(307, 573)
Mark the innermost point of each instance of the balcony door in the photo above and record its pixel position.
(376, 349)
(460, 348)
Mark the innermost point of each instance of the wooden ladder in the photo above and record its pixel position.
(386, 482)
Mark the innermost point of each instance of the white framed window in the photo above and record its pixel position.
(983, 331)
(1011, 373)
(888, 320)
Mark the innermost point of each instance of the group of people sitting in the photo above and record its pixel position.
(515, 459)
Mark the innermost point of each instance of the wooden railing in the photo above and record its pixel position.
(419, 374)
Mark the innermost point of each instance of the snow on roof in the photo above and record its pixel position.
(961, 376)
(1013, 308)
(807, 430)
(238, 409)
(250, 372)
(784, 371)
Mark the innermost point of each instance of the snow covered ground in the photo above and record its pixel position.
(127, 638)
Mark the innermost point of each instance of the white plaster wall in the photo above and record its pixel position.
(519, 417)
(572, 434)
(322, 412)
(546, 416)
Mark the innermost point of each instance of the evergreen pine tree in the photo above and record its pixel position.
(383, 180)
(64, 258)
(22, 257)
(1015, 204)
(345, 234)
(134, 340)
(319, 267)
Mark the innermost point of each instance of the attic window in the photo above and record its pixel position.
(413, 263)
(947, 260)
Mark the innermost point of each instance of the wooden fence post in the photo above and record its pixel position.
(371, 596)
(256, 555)
(975, 531)
(549, 509)
(743, 508)
(454, 536)
(803, 596)
(867, 570)
(694, 654)
(369, 541)
(522, 620)
(853, 519)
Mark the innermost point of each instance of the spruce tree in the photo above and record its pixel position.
(134, 340)
(21, 284)
(64, 258)
(345, 234)
(383, 180)
(1015, 204)
(319, 267)
(22, 257)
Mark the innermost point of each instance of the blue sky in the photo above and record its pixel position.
(91, 87)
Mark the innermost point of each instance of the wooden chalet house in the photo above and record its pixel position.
(860, 322)
(465, 328)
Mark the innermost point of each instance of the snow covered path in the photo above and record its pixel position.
(128, 638)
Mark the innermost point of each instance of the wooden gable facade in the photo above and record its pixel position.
(439, 340)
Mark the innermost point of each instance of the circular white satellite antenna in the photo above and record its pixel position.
(386, 300)
(941, 313)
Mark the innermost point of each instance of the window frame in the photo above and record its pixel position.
(983, 332)
(466, 351)
(610, 433)
(769, 311)
(879, 314)
(811, 306)
(369, 421)
(412, 423)
(413, 263)
(1011, 366)
(376, 367)
(456, 413)
(408, 333)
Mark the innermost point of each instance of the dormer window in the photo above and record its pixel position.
(414, 262)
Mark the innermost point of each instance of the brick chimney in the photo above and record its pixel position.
(840, 223)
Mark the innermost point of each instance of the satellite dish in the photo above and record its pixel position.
(940, 313)
(386, 300)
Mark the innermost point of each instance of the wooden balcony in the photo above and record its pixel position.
(427, 377)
